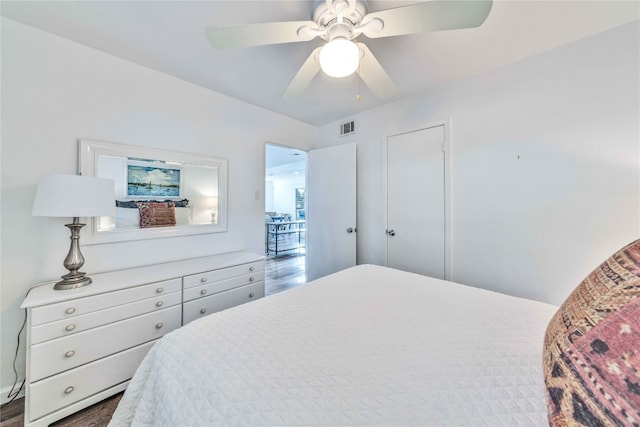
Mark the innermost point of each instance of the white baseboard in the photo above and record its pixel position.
(5, 391)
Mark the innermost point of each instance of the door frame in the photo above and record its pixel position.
(448, 229)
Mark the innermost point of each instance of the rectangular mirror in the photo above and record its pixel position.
(159, 193)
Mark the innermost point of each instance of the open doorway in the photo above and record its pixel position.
(285, 218)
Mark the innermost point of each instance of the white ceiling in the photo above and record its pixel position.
(169, 36)
(284, 160)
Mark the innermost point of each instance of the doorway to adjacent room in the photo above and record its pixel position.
(285, 218)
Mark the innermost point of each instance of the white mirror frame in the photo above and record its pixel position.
(88, 159)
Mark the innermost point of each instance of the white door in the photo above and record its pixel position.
(331, 210)
(416, 202)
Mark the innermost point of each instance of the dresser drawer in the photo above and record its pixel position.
(94, 319)
(222, 285)
(193, 310)
(65, 353)
(64, 310)
(62, 390)
(222, 274)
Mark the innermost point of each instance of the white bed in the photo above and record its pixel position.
(366, 346)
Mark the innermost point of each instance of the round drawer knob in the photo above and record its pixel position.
(159, 304)
(68, 390)
(159, 325)
(204, 279)
(203, 310)
(69, 353)
(70, 310)
(252, 268)
(251, 279)
(202, 292)
(70, 327)
(251, 295)
(159, 290)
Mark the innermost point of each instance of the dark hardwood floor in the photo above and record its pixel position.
(284, 272)
(281, 273)
(97, 415)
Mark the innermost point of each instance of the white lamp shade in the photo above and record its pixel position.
(339, 58)
(209, 202)
(74, 196)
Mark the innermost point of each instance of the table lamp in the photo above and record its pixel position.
(74, 196)
(211, 203)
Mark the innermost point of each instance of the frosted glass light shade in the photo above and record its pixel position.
(74, 196)
(339, 58)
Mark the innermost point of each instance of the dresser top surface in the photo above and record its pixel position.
(44, 293)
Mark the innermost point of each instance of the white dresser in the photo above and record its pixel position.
(84, 344)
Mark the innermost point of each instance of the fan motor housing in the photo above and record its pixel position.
(324, 16)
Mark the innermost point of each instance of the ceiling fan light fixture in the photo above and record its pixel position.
(339, 58)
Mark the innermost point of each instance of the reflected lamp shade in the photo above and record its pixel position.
(339, 58)
(74, 196)
(210, 205)
(210, 202)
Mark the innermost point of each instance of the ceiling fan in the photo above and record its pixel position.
(340, 23)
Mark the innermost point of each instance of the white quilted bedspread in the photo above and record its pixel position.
(365, 346)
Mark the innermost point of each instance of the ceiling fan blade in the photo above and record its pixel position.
(305, 74)
(374, 76)
(245, 35)
(436, 15)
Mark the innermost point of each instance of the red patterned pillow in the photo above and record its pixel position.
(157, 214)
(592, 348)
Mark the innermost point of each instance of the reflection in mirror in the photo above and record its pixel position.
(158, 193)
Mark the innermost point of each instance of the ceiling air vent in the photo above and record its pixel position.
(347, 128)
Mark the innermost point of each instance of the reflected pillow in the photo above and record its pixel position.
(127, 218)
(183, 215)
(592, 347)
(134, 204)
(157, 215)
(184, 203)
(130, 204)
(130, 218)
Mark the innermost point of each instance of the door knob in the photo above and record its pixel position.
(351, 230)
(391, 232)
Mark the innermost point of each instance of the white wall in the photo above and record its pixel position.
(545, 166)
(54, 92)
(284, 192)
(268, 196)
